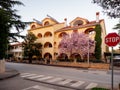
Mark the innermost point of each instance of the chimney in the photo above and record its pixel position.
(97, 16)
(65, 22)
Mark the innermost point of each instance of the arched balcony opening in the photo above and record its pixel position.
(62, 34)
(48, 34)
(39, 35)
(48, 57)
(90, 31)
(78, 23)
(33, 27)
(46, 23)
(47, 45)
(76, 56)
(63, 56)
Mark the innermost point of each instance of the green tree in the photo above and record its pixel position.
(110, 7)
(31, 48)
(117, 27)
(9, 20)
(98, 40)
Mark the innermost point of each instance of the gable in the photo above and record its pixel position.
(49, 21)
(78, 22)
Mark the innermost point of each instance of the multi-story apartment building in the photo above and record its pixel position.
(49, 32)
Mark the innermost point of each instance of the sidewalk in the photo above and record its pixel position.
(8, 74)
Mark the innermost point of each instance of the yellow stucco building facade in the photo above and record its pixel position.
(49, 32)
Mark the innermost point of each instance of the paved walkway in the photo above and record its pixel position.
(8, 74)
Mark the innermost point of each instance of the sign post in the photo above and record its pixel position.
(111, 40)
(112, 80)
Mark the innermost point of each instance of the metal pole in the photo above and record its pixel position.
(112, 84)
(88, 52)
(119, 35)
(7, 52)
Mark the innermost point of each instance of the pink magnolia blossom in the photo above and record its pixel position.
(77, 43)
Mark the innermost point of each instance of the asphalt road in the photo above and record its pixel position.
(18, 83)
(83, 77)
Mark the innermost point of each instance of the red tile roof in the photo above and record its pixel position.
(92, 23)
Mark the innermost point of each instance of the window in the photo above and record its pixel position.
(62, 34)
(46, 23)
(48, 34)
(54, 43)
(47, 45)
(78, 23)
(90, 31)
(33, 27)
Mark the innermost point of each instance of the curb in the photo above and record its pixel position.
(9, 74)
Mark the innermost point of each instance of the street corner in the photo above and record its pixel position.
(9, 73)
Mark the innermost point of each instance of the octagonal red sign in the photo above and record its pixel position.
(112, 39)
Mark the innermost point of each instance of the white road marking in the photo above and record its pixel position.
(50, 79)
(44, 78)
(24, 74)
(38, 76)
(38, 88)
(91, 85)
(28, 75)
(65, 82)
(54, 80)
(77, 84)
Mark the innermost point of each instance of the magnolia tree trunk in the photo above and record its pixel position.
(2, 66)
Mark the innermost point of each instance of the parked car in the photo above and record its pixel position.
(116, 60)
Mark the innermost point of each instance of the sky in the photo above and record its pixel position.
(60, 9)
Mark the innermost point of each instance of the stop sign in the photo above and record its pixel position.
(112, 39)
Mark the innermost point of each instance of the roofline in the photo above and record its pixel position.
(77, 27)
(79, 18)
(44, 26)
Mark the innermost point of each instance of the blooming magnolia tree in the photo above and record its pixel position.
(76, 43)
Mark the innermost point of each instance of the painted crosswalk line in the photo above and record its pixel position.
(38, 76)
(65, 82)
(58, 81)
(91, 85)
(28, 75)
(77, 84)
(54, 80)
(24, 74)
(45, 78)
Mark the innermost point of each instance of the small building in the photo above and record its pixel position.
(16, 51)
(49, 32)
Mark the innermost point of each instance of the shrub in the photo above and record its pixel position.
(98, 40)
(80, 60)
(65, 60)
